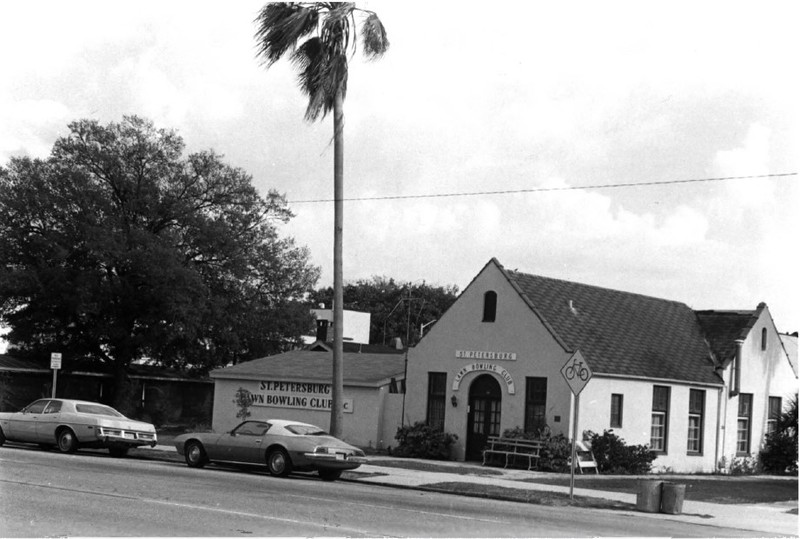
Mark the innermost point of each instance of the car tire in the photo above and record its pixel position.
(2, 437)
(67, 441)
(195, 455)
(118, 452)
(330, 475)
(279, 463)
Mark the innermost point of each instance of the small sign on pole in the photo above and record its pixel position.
(55, 364)
(576, 373)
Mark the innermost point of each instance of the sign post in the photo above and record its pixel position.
(576, 373)
(55, 364)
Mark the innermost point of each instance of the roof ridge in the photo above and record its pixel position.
(598, 287)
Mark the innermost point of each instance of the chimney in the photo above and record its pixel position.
(397, 343)
(324, 331)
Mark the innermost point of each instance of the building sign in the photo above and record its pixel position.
(298, 395)
(477, 354)
(488, 367)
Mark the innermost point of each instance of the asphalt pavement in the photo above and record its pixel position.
(764, 519)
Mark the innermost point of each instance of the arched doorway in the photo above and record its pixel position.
(483, 418)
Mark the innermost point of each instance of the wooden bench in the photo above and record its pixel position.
(512, 449)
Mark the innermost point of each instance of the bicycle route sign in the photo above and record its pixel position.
(576, 372)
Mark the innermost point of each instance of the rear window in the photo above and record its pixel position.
(97, 409)
(305, 430)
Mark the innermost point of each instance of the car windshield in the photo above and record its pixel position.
(97, 409)
(306, 430)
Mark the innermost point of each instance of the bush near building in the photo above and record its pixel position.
(614, 456)
(780, 449)
(421, 441)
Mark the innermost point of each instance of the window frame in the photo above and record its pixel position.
(661, 412)
(535, 403)
(619, 412)
(437, 393)
(745, 417)
(489, 306)
(696, 413)
(773, 414)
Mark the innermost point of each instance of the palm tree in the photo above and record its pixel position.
(328, 30)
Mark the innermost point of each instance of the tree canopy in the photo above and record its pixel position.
(117, 248)
(388, 302)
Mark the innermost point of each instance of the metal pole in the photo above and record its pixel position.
(55, 379)
(574, 452)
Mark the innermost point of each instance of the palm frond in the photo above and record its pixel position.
(373, 37)
(280, 25)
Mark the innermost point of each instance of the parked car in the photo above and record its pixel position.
(283, 446)
(70, 424)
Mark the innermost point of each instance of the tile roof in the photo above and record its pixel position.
(315, 366)
(620, 333)
(723, 328)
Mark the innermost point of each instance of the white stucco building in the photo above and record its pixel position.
(700, 388)
(296, 385)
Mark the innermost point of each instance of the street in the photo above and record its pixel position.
(45, 493)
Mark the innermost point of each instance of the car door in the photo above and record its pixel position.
(48, 421)
(22, 425)
(242, 444)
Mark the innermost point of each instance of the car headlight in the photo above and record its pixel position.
(321, 449)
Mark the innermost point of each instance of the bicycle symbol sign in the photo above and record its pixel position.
(576, 372)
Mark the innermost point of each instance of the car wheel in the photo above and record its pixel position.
(2, 437)
(67, 442)
(195, 455)
(330, 475)
(279, 463)
(118, 452)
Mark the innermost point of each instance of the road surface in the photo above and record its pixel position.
(46, 493)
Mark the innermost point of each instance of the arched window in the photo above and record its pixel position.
(763, 338)
(489, 306)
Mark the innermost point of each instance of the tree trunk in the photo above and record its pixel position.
(337, 387)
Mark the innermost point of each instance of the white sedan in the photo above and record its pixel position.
(70, 424)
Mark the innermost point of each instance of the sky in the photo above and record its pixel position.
(546, 102)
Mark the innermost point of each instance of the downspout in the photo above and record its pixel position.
(720, 393)
(737, 368)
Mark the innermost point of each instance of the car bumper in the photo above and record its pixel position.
(126, 438)
(335, 461)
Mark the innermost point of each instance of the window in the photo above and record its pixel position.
(659, 427)
(489, 306)
(53, 408)
(743, 424)
(36, 408)
(437, 388)
(535, 404)
(616, 411)
(763, 338)
(697, 405)
(775, 408)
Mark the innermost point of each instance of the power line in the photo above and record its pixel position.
(547, 189)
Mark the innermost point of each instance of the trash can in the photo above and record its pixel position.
(672, 495)
(648, 500)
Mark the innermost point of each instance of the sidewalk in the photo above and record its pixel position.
(762, 519)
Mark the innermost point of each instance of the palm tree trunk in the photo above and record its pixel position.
(337, 389)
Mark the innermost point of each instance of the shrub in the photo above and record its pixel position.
(243, 400)
(614, 456)
(780, 449)
(421, 441)
(748, 465)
